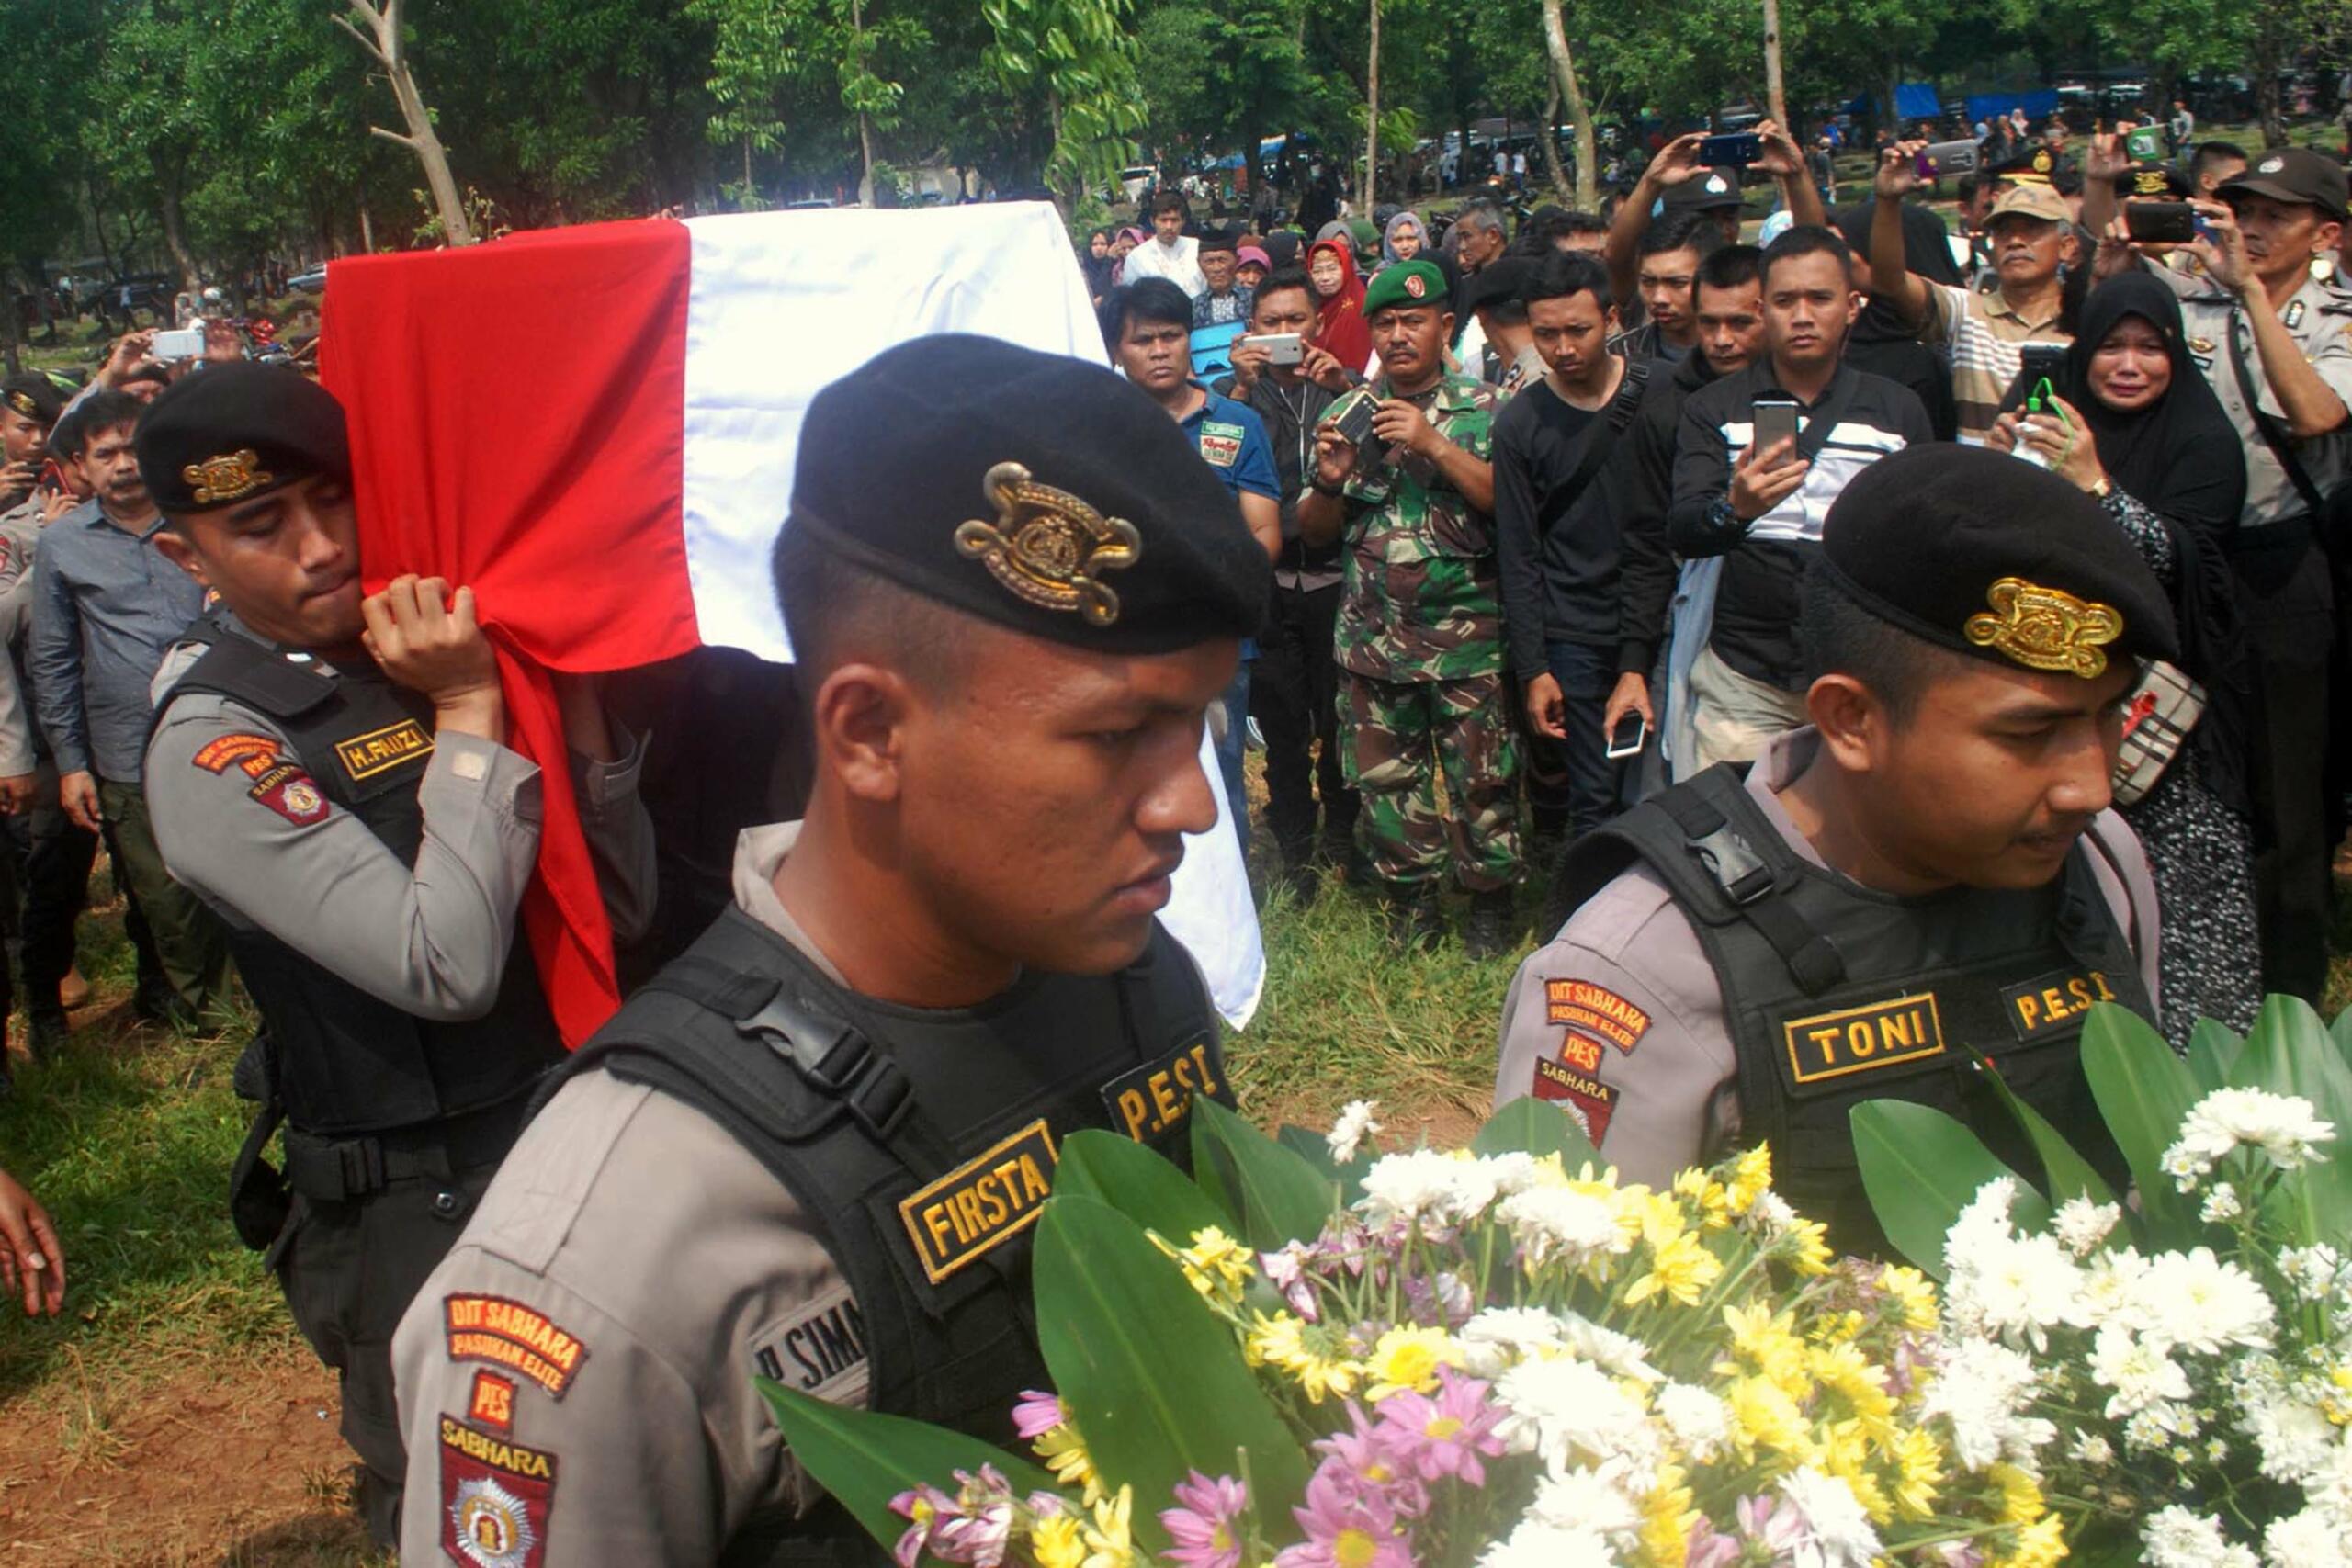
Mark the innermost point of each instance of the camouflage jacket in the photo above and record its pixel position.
(1421, 601)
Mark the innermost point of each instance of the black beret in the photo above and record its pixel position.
(34, 396)
(231, 432)
(1032, 490)
(1988, 555)
(1500, 282)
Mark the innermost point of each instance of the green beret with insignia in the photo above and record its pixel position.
(1979, 552)
(231, 432)
(33, 396)
(1408, 283)
(1035, 491)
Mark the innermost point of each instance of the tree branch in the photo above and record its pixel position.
(407, 142)
(366, 43)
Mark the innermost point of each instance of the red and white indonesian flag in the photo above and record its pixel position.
(596, 428)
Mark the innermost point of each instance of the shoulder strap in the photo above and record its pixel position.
(238, 667)
(2268, 428)
(1599, 436)
(1832, 409)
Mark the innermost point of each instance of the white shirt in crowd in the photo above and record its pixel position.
(1180, 263)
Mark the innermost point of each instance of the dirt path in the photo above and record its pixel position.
(237, 1463)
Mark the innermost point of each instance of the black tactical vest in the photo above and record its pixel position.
(347, 1063)
(920, 1142)
(1834, 994)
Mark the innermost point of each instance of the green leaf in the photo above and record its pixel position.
(1137, 1181)
(2144, 1092)
(865, 1458)
(1154, 1381)
(2291, 1053)
(2069, 1175)
(1528, 1125)
(1273, 1193)
(1313, 1148)
(1919, 1168)
(2214, 1050)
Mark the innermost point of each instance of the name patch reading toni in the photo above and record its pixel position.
(1862, 1040)
(981, 1204)
(2054, 1001)
(364, 756)
(510, 1334)
(1151, 1099)
(1597, 1011)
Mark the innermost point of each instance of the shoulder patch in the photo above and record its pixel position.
(981, 1204)
(292, 793)
(252, 754)
(496, 1498)
(1157, 1096)
(508, 1334)
(1596, 1012)
(491, 1401)
(364, 756)
(1580, 1093)
(819, 1347)
(1865, 1039)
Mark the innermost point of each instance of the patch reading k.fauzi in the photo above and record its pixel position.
(981, 1204)
(510, 1334)
(364, 756)
(1863, 1039)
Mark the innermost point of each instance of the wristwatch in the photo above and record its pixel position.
(1721, 519)
(2102, 490)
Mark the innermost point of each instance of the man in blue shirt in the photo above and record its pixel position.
(106, 607)
(1147, 328)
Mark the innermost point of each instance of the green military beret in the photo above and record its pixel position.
(1408, 283)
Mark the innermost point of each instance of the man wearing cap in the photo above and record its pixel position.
(2034, 242)
(813, 1147)
(1420, 635)
(30, 405)
(1924, 878)
(1224, 300)
(2276, 345)
(329, 772)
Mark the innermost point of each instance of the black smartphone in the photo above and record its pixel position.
(1352, 415)
(1733, 150)
(1776, 421)
(1952, 157)
(2160, 222)
(1627, 738)
(2037, 363)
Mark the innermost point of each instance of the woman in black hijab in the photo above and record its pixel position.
(1099, 266)
(2142, 431)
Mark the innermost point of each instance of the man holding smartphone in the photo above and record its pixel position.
(30, 405)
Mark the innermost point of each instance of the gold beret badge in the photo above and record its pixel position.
(227, 477)
(1048, 546)
(2046, 628)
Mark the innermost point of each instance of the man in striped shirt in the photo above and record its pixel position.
(2033, 242)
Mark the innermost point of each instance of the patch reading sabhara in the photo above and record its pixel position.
(1588, 1100)
(1048, 546)
(1865, 1039)
(1595, 1010)
(981, 1204)
(227, 477)
(495, 1497)
(293, 794)
(510, 1334)
(2046, 628)
(364, 756)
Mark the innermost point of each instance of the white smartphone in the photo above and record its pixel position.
(1631, 733)
(1282, 349)
(185, 343)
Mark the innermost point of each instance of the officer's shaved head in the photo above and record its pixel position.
(1843, 639)
(837, 610)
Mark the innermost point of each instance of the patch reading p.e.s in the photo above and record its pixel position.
(364, 756)
(1597, 1012)
(491, 1401)
(1157, 1096)
(2054, 1001)
(982, 1203)
(1865, 1039)
(510, 1334)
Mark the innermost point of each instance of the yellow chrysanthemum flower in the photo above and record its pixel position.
(1861, 1383)
(1216, 1264)
(1806, 1246)
(1284, 1342)
(1769, 1345)
(1846, 1455)
(1919, 1460)
(2021, 1501)
(1668, 1514)
(2041, 1544)
(1682, 1269)
(1065, 1454)
(1764, 1418)
(1058, 1543)
(1751, 1177)
(1710, 1200)
(1109, 1543)
(1913, 1295)
(1407, 1358)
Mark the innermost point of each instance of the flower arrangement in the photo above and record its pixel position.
(2175, 1373)
(1320, 1356)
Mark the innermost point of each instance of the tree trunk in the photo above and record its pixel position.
(382, 40)
(1552, 144)
(2269, 54)
(1774, 99)
(1890, 116)
(367, 231)
(167, 205)
(1371, 114)
(865, 127)
(1564, 71)
(8, 349)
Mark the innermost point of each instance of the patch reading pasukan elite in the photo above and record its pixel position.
(495, 1497)
(250, 754)
(820, 1348)
(1863, 1039)
(981, 1204)
(1592, 1101)
(1158, 1096)
(1597, 1012)
(364, 756)
(510, 1334)
(2053, 1001)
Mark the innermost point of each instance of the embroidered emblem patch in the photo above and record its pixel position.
(2270, 166)
(1220, 443)
(2293, 316)
(23, 404)
(292, 793)
(2042, 163)
(492, 1401)
(510, 1334)
(819, 1349)
(2053, 1001)
(1153, 1099)
(2045, 628)
(1048, 546)
(227, 477)
(495, 1497)
(981, 1204)
(1590, 1101)
(1596, 1012)
(364, 756)
(1415, 284)
(1863, 1039)
(254, 755)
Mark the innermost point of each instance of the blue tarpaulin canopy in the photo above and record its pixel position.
(2040, 103)
(1913, 100)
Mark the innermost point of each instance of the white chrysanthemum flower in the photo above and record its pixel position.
(2158, 1428)
(2176, 1538)
(1982, 1390)
(1519, 1172)
(1565, 1410)
(2311, 1271)
(2110, 1291)
(1354, 1125)
(2198, 1303)
(2081, 1224)
(1498, 1336)
(2016, 1288)
(2137, 1370)
(1619, 1355)
(2221, 1204)
(1984, 1223)
(1538, 1545)
(1583, 1498)
(2091, 1448)
(1699, 1421)
(1425, 1187)
(1560, 1223)
(2282, 1127)
(2294, 1436)
(1771, 1214)
(1838, 1530)
(2308, 1539)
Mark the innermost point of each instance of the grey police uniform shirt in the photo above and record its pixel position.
(1658, 1043)
(2320, 320)
(431, 938)
(19, 536)
(580, 1366)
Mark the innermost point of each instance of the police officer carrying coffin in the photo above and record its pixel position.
(813, 1147)
(358, 824)
(1926, 877)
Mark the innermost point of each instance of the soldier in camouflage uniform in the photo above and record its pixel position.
(1420, 638)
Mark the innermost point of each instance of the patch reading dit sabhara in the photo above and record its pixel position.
(510, 1334)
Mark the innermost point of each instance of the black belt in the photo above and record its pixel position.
(338, 1170)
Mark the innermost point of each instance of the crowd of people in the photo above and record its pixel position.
(1789, 612)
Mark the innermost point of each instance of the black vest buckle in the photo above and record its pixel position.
(1736, 868)
(835, 1060)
